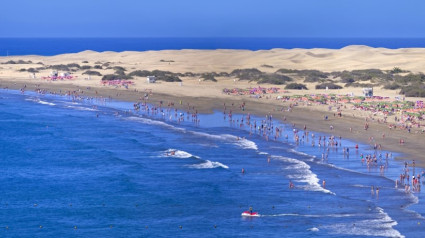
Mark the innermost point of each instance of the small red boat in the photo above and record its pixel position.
(250, 214)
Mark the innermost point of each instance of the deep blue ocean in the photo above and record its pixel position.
(54, 46)
(92, 168)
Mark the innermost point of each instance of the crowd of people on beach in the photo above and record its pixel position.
(377, 160)
(268, 128)
(404, 115)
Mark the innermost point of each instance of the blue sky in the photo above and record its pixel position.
(215, 18)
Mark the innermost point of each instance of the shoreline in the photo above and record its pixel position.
(300, 116)
(312, 174)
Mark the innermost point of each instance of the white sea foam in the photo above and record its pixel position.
(173, 153)
(210, 136)
(360, 186)
(300, 172)
(263, 153)
(82, 108)
(315, 229)
(340, 168)
(74, 103)
(154, 122)
(205, 164)
(241, 142)
(37, 100)
(311, 215)
(302, 153)
(46, 103)
(282, 215)
(247, 144)
(414, 200)
(381, 225)
(209, 165)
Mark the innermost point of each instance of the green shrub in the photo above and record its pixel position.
(413, 91)
(313, 73)
(119, 72)
(60, 67)
(209, 77)
(119, 68)
(298, 86)
(312, 79)
(91, 72)
(115, 77)
(247, 74)
(169, 78)
(73, 65)
(267, 66)
(361, 85)
(160, 75)
(347, 80)
(328, 85)
(110, 77)
(392, 86)
(277, 79)
(396, 70)
(414, 78)
(287, 71)
(18, 62)
(189, 74)
(140, 73)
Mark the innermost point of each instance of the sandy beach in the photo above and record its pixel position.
(207, 96)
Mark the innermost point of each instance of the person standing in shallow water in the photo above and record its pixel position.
(324, 183)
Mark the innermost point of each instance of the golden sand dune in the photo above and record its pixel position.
(347, 58)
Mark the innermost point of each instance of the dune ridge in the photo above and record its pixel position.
(348, 58)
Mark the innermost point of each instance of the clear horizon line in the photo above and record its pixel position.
(212, 37)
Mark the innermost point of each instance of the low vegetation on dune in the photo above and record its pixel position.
(274, 79)
(328, 86)
(208, 77)
(413, 90)
(115, 77)
(92, 72)
(73, 65)
(258, 76)
(18, 62)
(296, 86)
(160, 75)
(252, 74)
(30, 70)
(267, 66)
(408, 83)
(140, 73)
